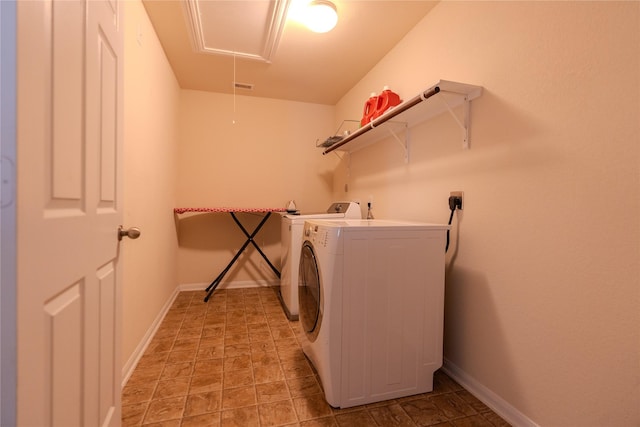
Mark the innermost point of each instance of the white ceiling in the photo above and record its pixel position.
(212, 43)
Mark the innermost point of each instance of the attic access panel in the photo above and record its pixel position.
(247, 29)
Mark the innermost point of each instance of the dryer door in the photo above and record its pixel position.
(309, 292)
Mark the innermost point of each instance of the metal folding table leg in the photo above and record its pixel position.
(212, 287)
(253, 242)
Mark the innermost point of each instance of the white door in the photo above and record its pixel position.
(69, 207)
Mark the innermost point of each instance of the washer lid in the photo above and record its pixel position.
(337, 210)
(379, 224)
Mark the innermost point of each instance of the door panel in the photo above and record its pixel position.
(64, 335)
(67, 141)
(108, 137)
(109, 389)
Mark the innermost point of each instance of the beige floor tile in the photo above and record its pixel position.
(165, 409)
(306, 386)
(236, 328)
(231, 339)
(452, 405)
(172, 388)
(289, 343)
(257, 347)
(423, 412)
(235, 363)
(296, 369)
(145, 375)
(239, 378)
(215, 318)
(203, 403)
(391, 416)
(240, 417)
(205, 383)
(267, 373)
(472, 421)
(208, 366)
(150, 359)
(320, 422)
(276, 413)
(181, 356)
(236, 349)
(256, 319)
(160, 345)
(211, 342)
(271, 392)
(265, 359)
(176, 370)
(136, 393)
(238, 397)
(168, 423)
(473, 401)
(235, 317)
(190, 344)
(282, 332)
(309, 407)
(133, 414)
(185, 333)
(260, 336)
(494, 419)
(210, 352)
(360, 418)
(213, 330)
(204, 420)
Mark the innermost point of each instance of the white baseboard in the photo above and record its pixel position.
(486, 396)
(239, 284)
(129, 367)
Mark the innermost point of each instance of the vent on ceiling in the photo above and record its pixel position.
(244, 86)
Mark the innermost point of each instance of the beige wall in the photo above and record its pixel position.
(150, 134)
(267, 157)
(542, 296)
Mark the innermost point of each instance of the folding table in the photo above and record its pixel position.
(250, 237)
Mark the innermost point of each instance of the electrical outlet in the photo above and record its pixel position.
(460, 195)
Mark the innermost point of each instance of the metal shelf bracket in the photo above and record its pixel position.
(464, 124)
(404, 143)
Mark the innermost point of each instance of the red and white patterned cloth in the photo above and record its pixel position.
(222, 209)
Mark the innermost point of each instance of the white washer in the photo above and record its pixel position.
(371, 307)
(291, 242)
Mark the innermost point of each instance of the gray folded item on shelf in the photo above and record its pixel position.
(331, 140)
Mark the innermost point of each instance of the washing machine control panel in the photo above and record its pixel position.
(349, 209)
(310, 232)
(321, 237)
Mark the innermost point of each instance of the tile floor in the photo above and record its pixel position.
(236, 361)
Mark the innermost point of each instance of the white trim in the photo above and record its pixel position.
(131, 364)
(238, 284)
(488, 397)
(8, 261)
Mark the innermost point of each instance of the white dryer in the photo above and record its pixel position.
(371, 296)
(291, 242)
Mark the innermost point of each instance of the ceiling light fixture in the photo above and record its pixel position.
(321, 16)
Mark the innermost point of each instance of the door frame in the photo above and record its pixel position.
(8, 359)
